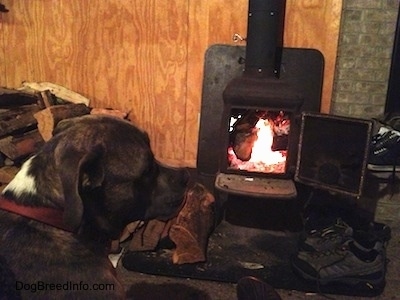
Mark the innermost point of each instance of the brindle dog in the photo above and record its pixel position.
(96, 175)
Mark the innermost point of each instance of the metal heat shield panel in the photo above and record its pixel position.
(333, 152)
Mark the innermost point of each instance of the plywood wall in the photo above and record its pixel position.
(145, 57)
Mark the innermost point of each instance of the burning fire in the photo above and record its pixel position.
(263, 158)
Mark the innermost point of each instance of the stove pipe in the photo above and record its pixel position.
(264, 40)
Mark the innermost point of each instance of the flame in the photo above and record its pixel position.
(263, 159)
(262, 152)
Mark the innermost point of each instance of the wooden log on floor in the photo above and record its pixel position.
(18, 147)
(193, 226)
(146, 238)
(48, 118)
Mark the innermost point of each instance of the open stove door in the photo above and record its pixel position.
(333, 152)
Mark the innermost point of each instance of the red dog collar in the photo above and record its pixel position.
(46, 215)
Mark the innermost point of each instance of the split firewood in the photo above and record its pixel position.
(48, 118)
(47, 99)
(189, 231)
(57, 90)
(193, 226)
(18, 119)
(126, 234)
(109, 111)
(16, 112)
(147, 237)
(18, 147)
(7, 173)
(129, 230)
(12, 97)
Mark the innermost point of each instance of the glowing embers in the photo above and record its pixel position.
(258, 141)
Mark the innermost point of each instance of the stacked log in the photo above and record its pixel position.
(28, 116)
(18, 126)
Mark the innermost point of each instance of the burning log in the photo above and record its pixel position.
(244, 134)
(244, 143)
(258, 141)
(48, 118)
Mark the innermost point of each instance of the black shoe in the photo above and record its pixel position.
(384, 154)
(374, 233)
(251, 288)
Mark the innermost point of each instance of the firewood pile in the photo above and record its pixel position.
(28, 116)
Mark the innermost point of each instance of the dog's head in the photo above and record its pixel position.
(170, 185)
(102, 172)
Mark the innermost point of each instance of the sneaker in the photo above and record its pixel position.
(390, 119)
(327, 238)
(384, 153)
(375, 233)
(335, 235)
(349, 264)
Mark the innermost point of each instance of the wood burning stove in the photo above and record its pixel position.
(258, 128)
(275, 85)
(259, 136)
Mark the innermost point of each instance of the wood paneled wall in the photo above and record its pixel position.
(145, 57)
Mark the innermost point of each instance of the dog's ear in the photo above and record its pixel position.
(82, 169)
